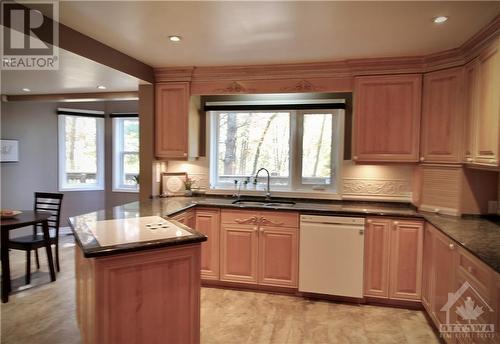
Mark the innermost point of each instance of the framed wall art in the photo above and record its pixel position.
(9, 150)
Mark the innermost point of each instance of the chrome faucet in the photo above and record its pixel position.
(268, 188)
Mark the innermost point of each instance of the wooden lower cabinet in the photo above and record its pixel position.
(207, 221)
(278, 259)
(142, 297)
(393, 259)
(259, 248)
(442, 274)
(406, 260)
(377, 247)
(426, 268)
(239, 253)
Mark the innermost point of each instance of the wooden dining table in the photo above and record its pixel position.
(26, 218)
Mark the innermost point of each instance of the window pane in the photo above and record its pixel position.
(317, 149)
(81, 150)
(131, 135)
(248, 141)
(130, 168)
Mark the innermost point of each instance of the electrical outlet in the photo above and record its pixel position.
(492, 207)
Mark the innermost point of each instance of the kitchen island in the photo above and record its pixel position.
(137, 277)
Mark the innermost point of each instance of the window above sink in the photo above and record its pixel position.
(302, 148)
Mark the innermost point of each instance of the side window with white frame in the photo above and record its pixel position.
(81, 149)
(126, 154)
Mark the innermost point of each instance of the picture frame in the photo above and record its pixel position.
(9, 150)
(172, 184)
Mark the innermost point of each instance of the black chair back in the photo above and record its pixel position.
(52, 203)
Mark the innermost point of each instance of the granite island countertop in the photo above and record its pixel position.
(480, 236)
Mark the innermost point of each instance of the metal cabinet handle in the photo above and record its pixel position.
(255, 229)
(355, 157)
(422, 158)
(470, 269)
(368, 221)
(396, 223)
(451, 246)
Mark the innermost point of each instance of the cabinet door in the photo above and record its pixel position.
(171, 120)
(377, 243)
(387, 118)
(191, 218)
(406, 260)
(488, 118)
(207, 222)
(442, 116)
(427, 268)
(239, 249)
(471, 101)
(443, 268)
(278, 256)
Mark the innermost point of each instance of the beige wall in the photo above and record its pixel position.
(34, 124)
(360, 182)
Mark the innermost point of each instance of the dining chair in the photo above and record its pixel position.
(49, 202)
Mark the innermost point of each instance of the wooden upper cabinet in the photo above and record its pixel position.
(487, 138)
(471, 97)
(177, 122)
(377, 245)
(442, 116)
(406, 260)
(207, 221)
(387, 118)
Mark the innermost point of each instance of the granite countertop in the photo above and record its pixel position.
(480, 236)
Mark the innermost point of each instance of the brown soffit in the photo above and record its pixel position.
(72, 97)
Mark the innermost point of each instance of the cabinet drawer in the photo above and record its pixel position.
(279, 219)
(475, 271)
(241, 217)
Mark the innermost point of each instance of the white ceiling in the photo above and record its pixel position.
(76, 74)
(231, 33)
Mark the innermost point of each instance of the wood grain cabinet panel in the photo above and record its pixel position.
(393, 259)
(427, 268)
(278, 256)
(207, 221)
(387, 118)
(171, 120)
(144, 297)
(406, 260)
(487, 138)
(239, 253)
(442, 116)
(377, 248)
(471, 97)
(442, 274)
(259, 247)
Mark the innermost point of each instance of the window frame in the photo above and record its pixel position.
(100, 152)
(295, 185)
(118, 155)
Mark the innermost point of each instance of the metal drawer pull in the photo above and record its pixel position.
(451, 246)
(470, 269)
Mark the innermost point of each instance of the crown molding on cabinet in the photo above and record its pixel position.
(206, 80)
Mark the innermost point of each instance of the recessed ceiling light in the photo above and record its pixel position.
(174, 38)
(26, 90)
(101, 87)
(440, 19)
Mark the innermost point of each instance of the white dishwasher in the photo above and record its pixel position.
(331, 255)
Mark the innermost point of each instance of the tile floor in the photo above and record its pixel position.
(45, 313)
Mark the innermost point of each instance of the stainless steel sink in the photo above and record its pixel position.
(279, 204)
(260, 203)
(249, 203)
